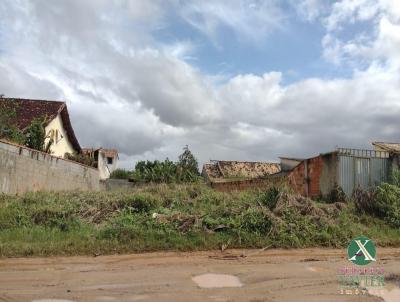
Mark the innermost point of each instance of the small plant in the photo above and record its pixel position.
(336, 195)
(364, 200)
(388, 203)
(395, 177)
(82, 159)
(8, 127)
(270, 198)
(121, 174)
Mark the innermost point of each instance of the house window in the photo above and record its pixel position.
(109, 160)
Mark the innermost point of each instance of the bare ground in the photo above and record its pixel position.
(272, 275)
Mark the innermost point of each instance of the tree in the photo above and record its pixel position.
(188, 162)
(8, 128)
(36, 135)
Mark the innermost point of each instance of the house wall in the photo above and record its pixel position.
(314, 177)
(287, 164)
(329, 173)
(23, 169)
(105, 169)
(60, 145)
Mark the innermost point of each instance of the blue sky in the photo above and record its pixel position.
(295, 49)
(233, 79)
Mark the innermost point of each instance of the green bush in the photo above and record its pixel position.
(140, 203)
(183, 171)
(364, 200)
(269, 198)
(387, 199)
(254, 220)
(336, 195)
(121, 174)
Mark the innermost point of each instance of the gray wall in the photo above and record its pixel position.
(328, 178)
(116, 184)
(23, 170)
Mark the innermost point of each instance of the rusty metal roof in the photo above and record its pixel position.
(390, 147)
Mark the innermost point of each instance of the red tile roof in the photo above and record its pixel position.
(26, 110)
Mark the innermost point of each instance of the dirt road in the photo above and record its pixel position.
(273, 275)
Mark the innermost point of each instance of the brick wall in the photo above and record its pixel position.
(307, 184)
(23, 169)
(256, 183)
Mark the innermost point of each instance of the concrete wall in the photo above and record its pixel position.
(117, 184)
(23, 169)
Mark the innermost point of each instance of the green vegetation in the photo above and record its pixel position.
(183, 171)
(178, 217)
(33, 137)
(8, 128)
(382, 202)
(121, 174)
(81, 158)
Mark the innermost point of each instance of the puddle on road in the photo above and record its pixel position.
(217, 281)
(389, 293)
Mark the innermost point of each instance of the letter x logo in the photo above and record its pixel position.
(361, 251)
(364, 251)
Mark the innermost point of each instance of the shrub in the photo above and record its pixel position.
(388, 203)
(255, 221)
(121, 174)
(364, 200)
(8, 127)
(139, 203)
(36, 135)
(81, 158)
(269, 198)
(336, 195)
(395, 177)
(185, 170)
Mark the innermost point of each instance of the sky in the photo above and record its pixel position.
(247, 80)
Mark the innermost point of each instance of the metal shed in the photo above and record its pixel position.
(347, 168)
(364, 168)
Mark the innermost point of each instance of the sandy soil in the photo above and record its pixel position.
(272, 275)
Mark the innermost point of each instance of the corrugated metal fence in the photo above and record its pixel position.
(364, 168)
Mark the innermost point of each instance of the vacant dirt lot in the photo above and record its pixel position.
(273, 275)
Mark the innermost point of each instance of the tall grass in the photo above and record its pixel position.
(176, 217)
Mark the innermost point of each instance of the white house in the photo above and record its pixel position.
(58, 125)
(105, 159)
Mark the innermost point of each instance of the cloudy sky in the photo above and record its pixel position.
(233, 79)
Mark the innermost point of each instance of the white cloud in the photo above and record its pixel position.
(382, 43)
(310, 10)
(249, 20)
(126, 89)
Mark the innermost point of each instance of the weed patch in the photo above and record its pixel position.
(184, 217)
